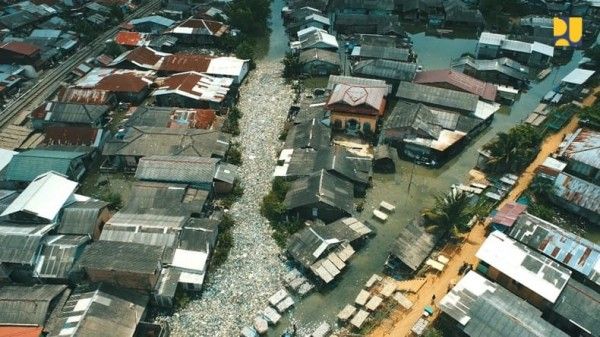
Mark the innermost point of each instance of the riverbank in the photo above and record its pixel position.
(239, 289)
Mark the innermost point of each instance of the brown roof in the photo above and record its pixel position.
(215, 28)
(193, 118)
(56, 135)
(22, 48)
(459, 81)
(143, 55)
(184, 81)
(185, 62)
(357, 99)
(127, 82)
(84, 96)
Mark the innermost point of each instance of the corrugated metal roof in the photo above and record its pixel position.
(446, 98)
(26, 166)
(310, 134)
(578, 192)
(508, 214)
(484, 309)
(582, 146)
(358, 99)
(315, 54)
(81, 217)
(491, 38)
(321, 187)
(580, 305)
(533, 270)
(414, 244)
(166, 237)
(177, 169)
(101, 311)
(44, 196)
(59, 254)
(458, 80)
(122, 256)
(565, 247)
(385, 53)
(27, 305)
(503, 65)
(578, 76)
(352, 80)
(334, 160)
(156, 19)
(386, 69)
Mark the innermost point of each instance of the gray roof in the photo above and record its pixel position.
(580, 305)
(198, 233)
(177, 169)
(335, 160)
(155, 116)
(334, 80)
(446, 98)
(59, 255)
(582, 146)
(414, 244)
(101, 311)
(384, 5)
(307, 246)
(147, 141)
(122, 256)
(150, 199)
(385, 53)
(27, 305)
(19, 248)
(426, 121)
(386, 69)
(80, 217)
(155, 19)
(321, 187)
(577, 191)
(485, 309)
(502, 65)
(310, 134)
(458, 11)
(565, 247)
(226, 172)
(415, 116)
(315, 54)
(152, 236)
(74, 112)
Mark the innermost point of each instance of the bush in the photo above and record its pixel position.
(225, 242)
(114, 200)
(235, 194)
(234, 154)
(292, 68)
(232, 123)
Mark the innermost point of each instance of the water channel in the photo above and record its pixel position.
(433, 53)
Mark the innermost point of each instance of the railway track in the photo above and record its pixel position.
(50, 81)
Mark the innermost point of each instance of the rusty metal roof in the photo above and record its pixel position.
(508, 214)
(458, 80)
(579, 192)
(582, 146)
(563, 246)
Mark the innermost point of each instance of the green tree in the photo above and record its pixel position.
(250, 16)
(113, 49)
(245, 51)
(449, 212)
(116, 12)
(234, 154)
(590, 116)
(292, 68)
(594, 55)
(513, 151)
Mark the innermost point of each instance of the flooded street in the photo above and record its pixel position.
(433, 53)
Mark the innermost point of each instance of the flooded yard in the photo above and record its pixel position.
(413, 186)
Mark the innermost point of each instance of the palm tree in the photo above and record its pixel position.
(450, 211)
(513, 151)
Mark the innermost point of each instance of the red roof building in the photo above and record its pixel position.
(454, 80)
(192, 118)
(131, 39)
(508, 214)
(185, 62)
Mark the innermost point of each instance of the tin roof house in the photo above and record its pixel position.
(197, 172)
(28, 165)
(525, 272)
(478, 307)
(194, 90)
(493, 45)
(320, 196)
(153, 24)
(102, 311)
(199, 31)
(500, 70)
(578, 254)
